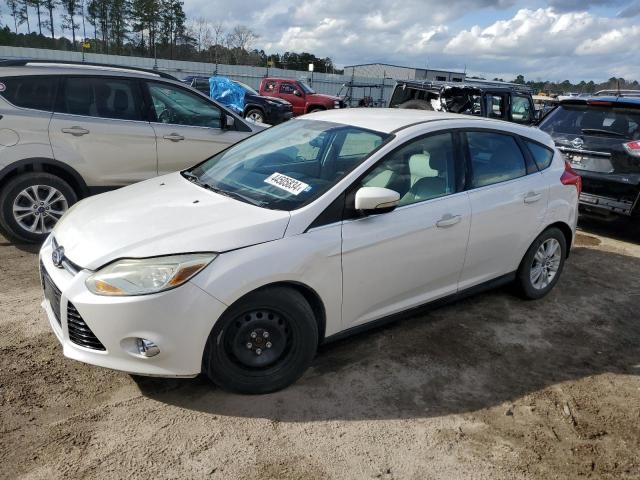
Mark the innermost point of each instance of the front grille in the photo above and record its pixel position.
(79, 332)
(51, 292)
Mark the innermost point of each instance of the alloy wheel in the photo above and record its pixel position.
(38, 208)
(546, 263)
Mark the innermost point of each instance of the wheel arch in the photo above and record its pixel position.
(314, 106)
(253, 106)
(46, 165)
(566, 231)
(307, 292)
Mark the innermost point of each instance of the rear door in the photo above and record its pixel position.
(187, 126)
(98, 128)
(509, 198)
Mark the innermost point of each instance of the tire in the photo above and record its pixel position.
(416, 105)
(255, 114)
(231, 357)
(537, 257)
(20, 194)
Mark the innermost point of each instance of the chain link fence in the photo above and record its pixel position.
(356, 90)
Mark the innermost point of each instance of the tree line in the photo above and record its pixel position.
(151, 28)
(566, 86)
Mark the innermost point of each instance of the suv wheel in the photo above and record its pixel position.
(255, 115)
(263, 343)
(542, 264)
(32, 203)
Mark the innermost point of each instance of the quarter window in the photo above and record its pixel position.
(495, 158)
(541, 155)
(176, 106)
(101, 97)
(421, 170)
(29, 92)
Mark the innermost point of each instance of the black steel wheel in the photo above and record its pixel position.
(263, 343)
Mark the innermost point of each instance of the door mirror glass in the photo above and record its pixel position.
(229, 122)
(372, 200)
(297, 93)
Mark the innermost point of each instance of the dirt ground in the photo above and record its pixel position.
(493, 387)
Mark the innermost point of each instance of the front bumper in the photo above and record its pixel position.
(276, 116)
(178, 321)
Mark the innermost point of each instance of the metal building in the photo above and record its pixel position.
(397, 72)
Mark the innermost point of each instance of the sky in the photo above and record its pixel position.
(542, 40)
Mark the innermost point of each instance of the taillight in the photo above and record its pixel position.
(632, 148)
(570, 177)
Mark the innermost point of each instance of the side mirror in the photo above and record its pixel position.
(229, 122)
(373, 200)
(297, 93)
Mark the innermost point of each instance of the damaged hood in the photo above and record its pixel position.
(162, 216)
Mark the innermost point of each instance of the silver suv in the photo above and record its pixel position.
(71, 130)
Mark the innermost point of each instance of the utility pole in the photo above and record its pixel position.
(84, 31)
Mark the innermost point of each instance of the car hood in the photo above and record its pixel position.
(162, 216)
(277, 100)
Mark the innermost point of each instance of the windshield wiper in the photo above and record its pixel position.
(602, 132)
(234, 195)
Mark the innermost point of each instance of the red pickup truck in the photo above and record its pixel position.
(301, 96)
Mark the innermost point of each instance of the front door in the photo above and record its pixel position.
(415, 253)
(188, 127)
(98, 129)
(287, 91)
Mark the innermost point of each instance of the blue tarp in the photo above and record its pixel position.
(228, 93)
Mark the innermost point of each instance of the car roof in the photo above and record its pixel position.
(390, 120)
(60, 68)
(617, 100)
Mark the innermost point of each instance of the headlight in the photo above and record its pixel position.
(147, 275)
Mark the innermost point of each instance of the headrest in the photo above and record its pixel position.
(419, 166)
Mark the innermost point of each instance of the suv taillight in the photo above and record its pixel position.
(632, 148)
(570, 177)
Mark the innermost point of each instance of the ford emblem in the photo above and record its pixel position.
(57, 256)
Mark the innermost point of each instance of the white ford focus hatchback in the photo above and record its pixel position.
(241, 266)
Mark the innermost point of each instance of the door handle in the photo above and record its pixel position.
(448, 220)
(532, 197)
(75, 131)
(174, 137)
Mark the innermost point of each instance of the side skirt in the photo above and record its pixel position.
(469, 292)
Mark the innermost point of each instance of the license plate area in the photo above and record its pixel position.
(590, 163)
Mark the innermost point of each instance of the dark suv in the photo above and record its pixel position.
(501, 100)
(600, 137)
(258, 108)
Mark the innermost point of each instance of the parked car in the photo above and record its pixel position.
(241, 266)
(258, 108)
(68, 131)
(301, 96)
(499, 100)
(600, 137)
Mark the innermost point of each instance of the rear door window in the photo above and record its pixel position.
(521, 109)
(495, 158)
(115, 98)
(29, 92)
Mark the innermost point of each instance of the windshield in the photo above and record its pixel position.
(593, 120)
(289, 165)
(306, 88)
(246, 88)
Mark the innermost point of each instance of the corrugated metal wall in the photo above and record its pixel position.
(322, 82)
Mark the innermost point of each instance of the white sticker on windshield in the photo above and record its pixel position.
(287, 184)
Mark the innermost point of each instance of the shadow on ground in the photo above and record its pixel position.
(463, 357)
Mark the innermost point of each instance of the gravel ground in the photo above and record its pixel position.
(492, 387)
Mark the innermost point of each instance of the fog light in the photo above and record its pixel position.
(147, 348)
